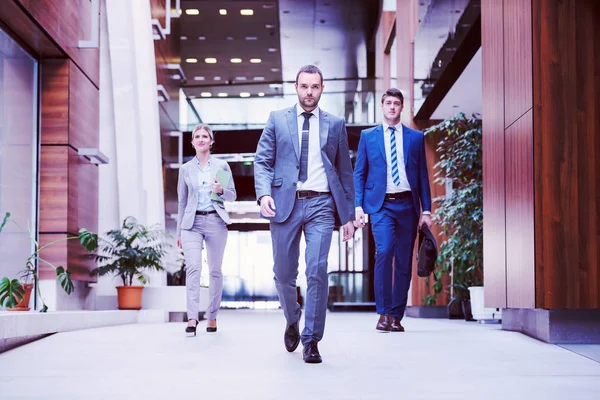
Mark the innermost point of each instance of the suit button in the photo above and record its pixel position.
(294, 184)
(297, 167)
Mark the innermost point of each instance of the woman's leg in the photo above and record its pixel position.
(192, 243)
(216, 239)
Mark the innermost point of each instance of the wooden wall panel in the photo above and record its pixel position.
(494, 220)
(517, 59)
(68, 22)
(520, 259)
(53, 188)
(55, 102)
(83, 193)
(566, 36)
(79, 262)
(84, 110)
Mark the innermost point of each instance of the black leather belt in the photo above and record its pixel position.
(397, 196)
(206, 212)
(307, 194)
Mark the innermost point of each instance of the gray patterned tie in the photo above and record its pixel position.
(304, 148)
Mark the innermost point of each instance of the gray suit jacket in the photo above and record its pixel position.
(276, 165)
(187, 192)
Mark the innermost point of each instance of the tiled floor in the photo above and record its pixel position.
(434, 359)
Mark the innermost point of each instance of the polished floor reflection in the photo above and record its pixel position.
(434, 359)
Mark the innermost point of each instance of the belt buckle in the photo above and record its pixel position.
(300, 196)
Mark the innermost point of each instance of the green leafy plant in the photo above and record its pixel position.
(459, 213)
(128, 251)
(12, 290)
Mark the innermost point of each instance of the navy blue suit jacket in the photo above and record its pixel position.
(370, 170)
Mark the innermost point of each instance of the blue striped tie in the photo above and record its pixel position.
(395, 174)
(303, 175)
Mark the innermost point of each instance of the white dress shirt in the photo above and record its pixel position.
(316, 177)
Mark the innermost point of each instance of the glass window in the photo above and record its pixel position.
(18, 153)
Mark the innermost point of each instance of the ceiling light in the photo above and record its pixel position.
(275, 85)
(272, 49)
(217, 78)
(192, 11)
(229, 38)
(246, 11)
(198, 78)
(222, 94)
(223, 11)
(274, 69)
(255, 60)
(251, 38)
(210, 60)
(269, 26)
(240, 78)
(268, 5)
(184, 38)
(176, 76)
(191, 60)
(244, 94)
(259, 78)
(201, 37)
(206, 94)
(261, 94)
(236, 60)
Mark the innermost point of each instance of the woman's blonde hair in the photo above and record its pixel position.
(205, 127)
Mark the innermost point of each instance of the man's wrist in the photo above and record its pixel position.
(426, 212)
(359, 209)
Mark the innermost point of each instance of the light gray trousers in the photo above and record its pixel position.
(212, 230)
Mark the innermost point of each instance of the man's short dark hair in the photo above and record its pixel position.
(309, 69)
(393, 92)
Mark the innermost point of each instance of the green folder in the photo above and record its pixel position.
(223, 178)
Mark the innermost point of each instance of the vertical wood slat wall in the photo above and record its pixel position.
(541, 91)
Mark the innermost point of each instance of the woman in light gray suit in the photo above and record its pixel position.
(202, 219)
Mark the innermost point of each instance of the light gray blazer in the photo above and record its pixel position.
(187, 192)
(277, 165)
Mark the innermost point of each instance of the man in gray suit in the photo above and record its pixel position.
(304, 183)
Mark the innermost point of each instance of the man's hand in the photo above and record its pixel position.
(425, 219)
(267, 206)
(348, 231)
(361, 219)
(179, 241)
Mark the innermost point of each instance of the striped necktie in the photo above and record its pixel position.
(395, 174)
(303, 175)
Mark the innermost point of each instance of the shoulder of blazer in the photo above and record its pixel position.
(414, 131)
(369, 131)
(218, 162)
(186, 165)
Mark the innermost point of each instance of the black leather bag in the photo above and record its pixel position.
(427, 253)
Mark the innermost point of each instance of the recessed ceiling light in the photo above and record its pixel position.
(241, 78)
(223, 11)
(192, 11)
(210, 60)
(201, 37)
(269, 26)
(244, 94)
(268, 6)
(206, 94)
(259, 78)
(247, 11)
(176, 76)
(184, 38)
(272, 50)
(260, 94)
(191, 60)
(198, 78)
(222, 94)
(275, 85)
(251, 38)
(217, 78)
(255, 60)
(274, 69)
(229, 37)
(236, 60)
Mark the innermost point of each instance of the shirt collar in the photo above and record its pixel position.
(300, 110)
(386, 126)
(198, 162)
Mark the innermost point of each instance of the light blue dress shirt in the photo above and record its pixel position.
(204, 188)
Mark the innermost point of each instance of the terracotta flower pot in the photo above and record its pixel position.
(129, 297)
(23, 305)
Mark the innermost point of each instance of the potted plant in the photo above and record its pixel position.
(127, 252)
(460, 212)
(15, 293)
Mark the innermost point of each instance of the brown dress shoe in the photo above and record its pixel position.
(384, 323)
(396, 326)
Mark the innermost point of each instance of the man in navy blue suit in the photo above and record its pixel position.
(392, 185)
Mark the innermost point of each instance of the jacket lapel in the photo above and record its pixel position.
(323, 128)
(405, 143)
(379, 138)
(292, 119)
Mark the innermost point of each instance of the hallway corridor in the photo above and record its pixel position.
(246, 359)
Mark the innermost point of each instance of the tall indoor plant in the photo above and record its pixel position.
(15, 293)
(128, 252)
(460, 212)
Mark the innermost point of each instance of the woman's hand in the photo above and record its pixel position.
(216, 187)
(179, 241)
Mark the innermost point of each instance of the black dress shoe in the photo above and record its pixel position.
(291, 337)
(310, 354)
(192, 329)
(396, 326)
(384, 323)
